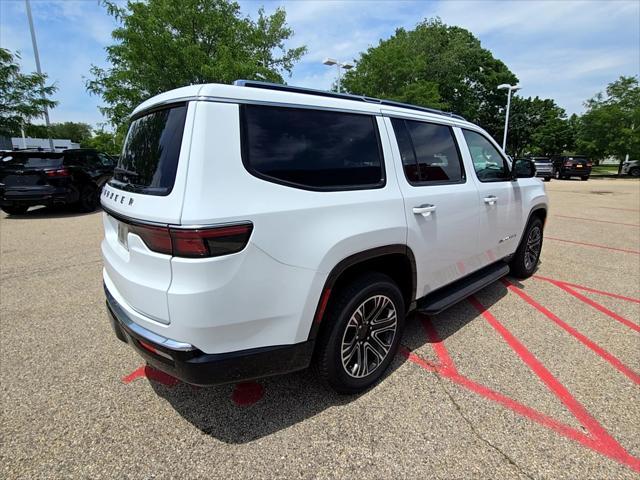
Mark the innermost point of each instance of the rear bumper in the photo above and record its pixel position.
(185, 362)
(31, 196)
(576, 172)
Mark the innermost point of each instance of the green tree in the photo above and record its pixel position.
(108, 142)
(22, 96)
(164, 44)
(538, 127)
(610, 125)
(435, 65)
(77, 132)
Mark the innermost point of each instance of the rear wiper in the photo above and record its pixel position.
(126, 172)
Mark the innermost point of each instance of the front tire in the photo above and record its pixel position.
(527, 255)
(584, 179)
(547, 179)
(363, 327)
(634, 171)
(15, 210)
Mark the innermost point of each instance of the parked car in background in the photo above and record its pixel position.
(631, 167)
(544, 167)
(251, 229)
(34, 177)
(572, 166)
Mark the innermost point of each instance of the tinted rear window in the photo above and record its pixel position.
(429, 152)
(312, 149)
(150, 153)
(31, 160)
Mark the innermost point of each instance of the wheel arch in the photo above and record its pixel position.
(397, 261)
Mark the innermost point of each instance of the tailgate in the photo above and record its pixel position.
(147, 190)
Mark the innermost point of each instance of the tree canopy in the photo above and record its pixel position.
(22, 96)
(538, 127)
(77, 132)
(164, 44)
(435, 65)
(610, 126)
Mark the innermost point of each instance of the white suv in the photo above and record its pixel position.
(251, 229)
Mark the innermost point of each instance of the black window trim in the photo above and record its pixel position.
(506, 162)
(244, 153)
(427, 183)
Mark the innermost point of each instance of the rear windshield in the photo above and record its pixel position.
(150, 153)
(542, 160)
(30, 160)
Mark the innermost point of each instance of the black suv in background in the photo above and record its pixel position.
(34, 177)
(574, 166)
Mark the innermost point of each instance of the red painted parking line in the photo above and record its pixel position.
(438, 346)
(552, 383)
(152, 374)
(599, 221)
(247, 393)
(596, 305)
(597, 349)
(588, 289)
(595, 245)
(614, 451)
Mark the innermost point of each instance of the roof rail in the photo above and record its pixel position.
(345, 96)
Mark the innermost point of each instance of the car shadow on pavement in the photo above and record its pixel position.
(287, 400)
(49, 213)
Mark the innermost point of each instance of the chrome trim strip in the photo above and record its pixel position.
(123, 317)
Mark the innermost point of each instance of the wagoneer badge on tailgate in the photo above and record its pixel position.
(117, 197)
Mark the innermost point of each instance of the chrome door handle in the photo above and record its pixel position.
(424, 210)
(490, 199)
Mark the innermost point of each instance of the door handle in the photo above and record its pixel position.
(490, 199)
(424, 210)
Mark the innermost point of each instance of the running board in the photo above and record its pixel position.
(449, 295)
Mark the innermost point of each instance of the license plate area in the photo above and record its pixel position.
(123, 232)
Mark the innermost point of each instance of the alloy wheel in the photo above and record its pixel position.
(532, 250)
(368, 336)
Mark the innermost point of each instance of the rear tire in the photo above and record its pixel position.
(363, 327)
(584, 179)
(634, 172)
(547, 179)
(15, 210)
(88, 201)
(527, 256)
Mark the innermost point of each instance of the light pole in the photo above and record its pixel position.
(332, 61)
(35, 53)
(509, 88)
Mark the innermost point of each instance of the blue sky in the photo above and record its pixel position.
(561, 49)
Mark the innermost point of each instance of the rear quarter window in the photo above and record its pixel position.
(312, 149)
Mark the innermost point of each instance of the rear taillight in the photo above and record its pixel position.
(156, 238)
(58, 172)
(194, 243)
(589, 164)
(210, 242)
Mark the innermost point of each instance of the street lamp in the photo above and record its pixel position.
(509, 88)
(332, 61)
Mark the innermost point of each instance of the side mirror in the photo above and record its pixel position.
(523, 168)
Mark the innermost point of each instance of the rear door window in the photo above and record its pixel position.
(149, 159)
(312, 149)
(429, 152)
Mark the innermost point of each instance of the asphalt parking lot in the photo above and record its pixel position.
(539, 379)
